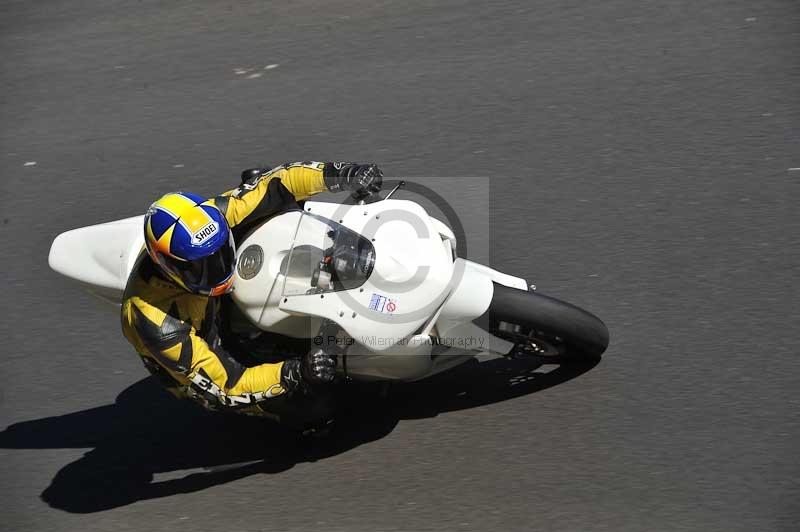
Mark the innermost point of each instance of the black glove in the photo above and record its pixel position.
(316, 367)
(361, 179)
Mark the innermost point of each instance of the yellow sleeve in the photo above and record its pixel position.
(175, 345)
(302, 180)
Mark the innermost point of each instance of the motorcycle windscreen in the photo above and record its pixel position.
(326, 257)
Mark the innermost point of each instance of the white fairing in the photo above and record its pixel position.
(414, 270)
(99, 256)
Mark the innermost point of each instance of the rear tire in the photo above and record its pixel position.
(544, 326)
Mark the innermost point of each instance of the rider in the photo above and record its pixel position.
(171, 306)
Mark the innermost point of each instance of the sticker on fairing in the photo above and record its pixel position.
(205, 233)
(383, 304)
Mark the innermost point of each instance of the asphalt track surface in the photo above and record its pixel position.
(639, 157)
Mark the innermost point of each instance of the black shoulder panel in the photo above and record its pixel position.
(160, 337)
(278, 199)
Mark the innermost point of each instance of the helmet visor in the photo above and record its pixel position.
(206, 273)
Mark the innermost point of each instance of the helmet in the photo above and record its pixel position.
(190, 240)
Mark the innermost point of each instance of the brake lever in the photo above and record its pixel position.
(397, 186)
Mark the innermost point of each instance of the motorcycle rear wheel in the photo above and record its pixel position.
(545, 327)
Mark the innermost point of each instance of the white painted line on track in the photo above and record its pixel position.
(30, 163)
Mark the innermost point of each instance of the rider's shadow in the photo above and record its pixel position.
(144, 443)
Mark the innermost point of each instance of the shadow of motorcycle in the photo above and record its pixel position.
(149, 445)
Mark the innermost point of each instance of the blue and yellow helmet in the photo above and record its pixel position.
(189, 238)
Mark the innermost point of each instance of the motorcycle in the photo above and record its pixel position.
(384, 276)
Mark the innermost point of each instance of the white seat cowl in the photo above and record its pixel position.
(99, 255)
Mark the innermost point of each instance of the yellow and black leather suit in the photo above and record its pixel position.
(176, 332)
